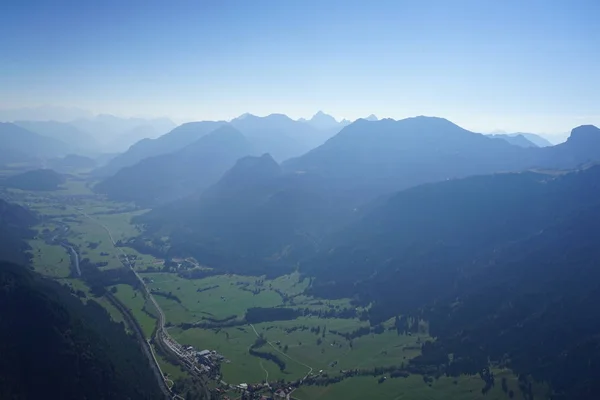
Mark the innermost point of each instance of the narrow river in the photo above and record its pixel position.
(74, 259)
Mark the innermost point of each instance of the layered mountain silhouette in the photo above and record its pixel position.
(326, 122)
(342, 180)
(275, 134)
(170, 176)
(44, 113)
(175, 140)
(279, 135)
(517, 140)
(77, 139)
(370, 158)
(367, 159)
(20, 144)
(117, 134)
(538, 140)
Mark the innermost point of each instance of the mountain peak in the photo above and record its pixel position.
(244, 115)
(584, 133)
(322, 115)
(584, 139)
(372, 117)
(265, 160)
(324, 121)
(320, 118)
(247, 171)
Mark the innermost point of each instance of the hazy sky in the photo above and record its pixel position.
(515, 65)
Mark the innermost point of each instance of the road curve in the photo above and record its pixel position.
(161, 333)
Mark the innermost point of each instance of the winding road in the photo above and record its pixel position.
(161, 334)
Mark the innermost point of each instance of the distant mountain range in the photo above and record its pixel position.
(76, 139)
(18, 144)
(44, 113)
(325, 122)
(493, 244)
(337, 182)
(523, 139)
(517, 140)
(275, 134)
(188, 170)
(280, 135)
(117, 134)
(87, 134)
(175, 140)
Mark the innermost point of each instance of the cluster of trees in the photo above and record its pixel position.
(255, 315)
(39, 180)
(394, 371)
(258, 343)
(98, 280)
(220, 320)
(167, 295)
(362, 331)
(200, 290)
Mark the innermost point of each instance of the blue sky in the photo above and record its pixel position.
(523, 65)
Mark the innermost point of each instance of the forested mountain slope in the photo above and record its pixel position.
(55, 346)
(15, 227)
(504, 267)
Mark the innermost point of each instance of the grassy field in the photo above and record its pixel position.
(119, 224)
(304, 350)
(293, 341)
(224, 299)
(142, 310)
(50, 260)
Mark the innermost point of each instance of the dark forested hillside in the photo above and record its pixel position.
(38, 179)
(55, 346)
(15, 228)
(170, 176)
(503, 266)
